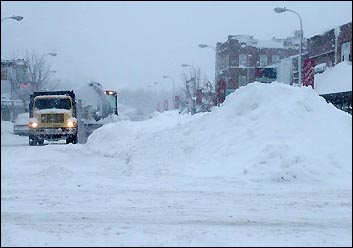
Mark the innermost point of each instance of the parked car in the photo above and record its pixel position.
(20, 126)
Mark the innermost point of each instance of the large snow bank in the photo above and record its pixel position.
(262, 132)
(334, 79)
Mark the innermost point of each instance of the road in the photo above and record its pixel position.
(66, 195)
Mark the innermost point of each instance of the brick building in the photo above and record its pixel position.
(14, 75)
(240, 56)
(329, 49)
(332, 47)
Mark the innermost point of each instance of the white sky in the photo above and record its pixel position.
(133, 44)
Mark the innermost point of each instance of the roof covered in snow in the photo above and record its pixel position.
(334, 79)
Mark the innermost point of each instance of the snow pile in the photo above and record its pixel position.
(262, 132)
(334, 79)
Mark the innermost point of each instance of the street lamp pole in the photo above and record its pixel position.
(281, 10)
(193, 111)
(173, 89)
(161, 88)
(160, 93)
(215, 71)
(40, 69)
(17, 18)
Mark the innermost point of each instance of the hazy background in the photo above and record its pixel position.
(133, 44)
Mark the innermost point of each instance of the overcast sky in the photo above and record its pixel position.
(131, 44)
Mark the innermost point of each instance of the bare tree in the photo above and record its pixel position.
(20, 81)
(192, 83)
(32, 74)
(39, 72)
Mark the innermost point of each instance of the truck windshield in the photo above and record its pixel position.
(50, 103)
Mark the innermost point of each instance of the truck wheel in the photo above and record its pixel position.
(40, 142)
(74, 139)
(71, 139)
(32, 141)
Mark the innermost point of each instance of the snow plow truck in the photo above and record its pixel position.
(53, 117)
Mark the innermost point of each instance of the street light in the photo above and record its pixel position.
(284, 9)
(204, 46)
(173, 88)
(187, 65)
(17, 18)
(40, 63)
(51, 54)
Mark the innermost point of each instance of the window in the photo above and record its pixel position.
(3, 73)
(242, 80)
(242, 60)
(263, 59)
(275, 58)
(51, 103)
(346, 51)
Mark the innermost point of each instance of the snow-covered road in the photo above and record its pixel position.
(71, 196)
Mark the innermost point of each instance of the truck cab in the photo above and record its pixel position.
(52, 117)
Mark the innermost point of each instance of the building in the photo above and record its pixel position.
(240, 59)
(14, 85)
(328, 50)
(13, 73)
(331, 47)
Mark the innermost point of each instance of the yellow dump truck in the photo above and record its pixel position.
(53, 117)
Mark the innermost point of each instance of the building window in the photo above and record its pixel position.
(242, 60)
(263, 60)
(3, 73)
(242, 80)
(346, 51)
(275, 58)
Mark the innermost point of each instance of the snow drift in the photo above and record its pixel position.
(262, 132)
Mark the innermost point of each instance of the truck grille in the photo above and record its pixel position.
(52, 118)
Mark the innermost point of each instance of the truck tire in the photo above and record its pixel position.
(71, 139)
(74, 139)
(40, 142)
(32, 141)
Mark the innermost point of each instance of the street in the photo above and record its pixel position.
(71, 196)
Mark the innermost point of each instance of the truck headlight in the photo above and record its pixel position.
(33, 123)
(70, 124)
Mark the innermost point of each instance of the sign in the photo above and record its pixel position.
(265, 75)
(309, 72)
(26, 85)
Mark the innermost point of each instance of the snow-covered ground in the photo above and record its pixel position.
(271, 167)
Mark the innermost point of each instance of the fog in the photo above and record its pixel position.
(130, 45)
